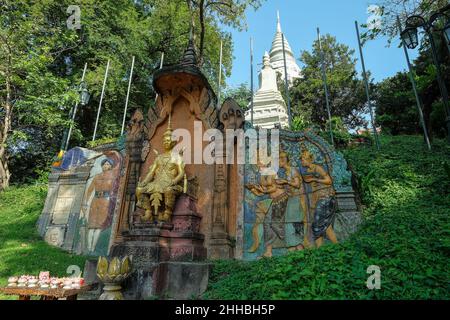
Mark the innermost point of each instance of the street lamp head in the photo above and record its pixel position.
(84, 94)
(410, 37)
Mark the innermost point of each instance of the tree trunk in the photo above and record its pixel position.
(5, 127)
(202, 32)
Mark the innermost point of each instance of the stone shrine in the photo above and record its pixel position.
(145, 198)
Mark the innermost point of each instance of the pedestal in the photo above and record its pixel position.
(158, 250)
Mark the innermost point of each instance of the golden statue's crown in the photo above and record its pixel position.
(168, 132)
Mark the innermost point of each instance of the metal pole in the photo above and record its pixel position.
(251, 78)
(324, 78)
(441, 83)
(161, 63)
(128, 96)
(101, 100)
(220, 75)
(366, 82)
(413, 82)
(74, 112)
(286, 82)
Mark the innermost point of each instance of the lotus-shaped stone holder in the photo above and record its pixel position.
(112, 274)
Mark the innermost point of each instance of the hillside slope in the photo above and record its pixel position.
(406, 195)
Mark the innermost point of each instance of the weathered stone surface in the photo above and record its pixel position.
(55, 236)
(90, 271)
(181, 280)
(139, 285)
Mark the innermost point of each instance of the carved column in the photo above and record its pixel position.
(220, 244)
(134, 144)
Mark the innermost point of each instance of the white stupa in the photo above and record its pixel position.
(269, 108)
(276, 55)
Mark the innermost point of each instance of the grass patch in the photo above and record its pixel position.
(22, 250)
(406, 196)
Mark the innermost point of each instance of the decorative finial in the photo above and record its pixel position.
(278, 21)
(190, 57)
(266, 59)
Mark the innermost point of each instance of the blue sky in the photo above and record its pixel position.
(299, 20)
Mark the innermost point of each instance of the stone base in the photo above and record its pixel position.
(142, 244)
(180, 280)
(220, 246)
(163, 252)
(348, 217)
(165, 280)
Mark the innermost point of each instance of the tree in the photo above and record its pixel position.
(390, 9)
(30, 96)
(396, 104)
(396, 110)
(227, 12)
(347, 98)
(41, 62)
(241, 94)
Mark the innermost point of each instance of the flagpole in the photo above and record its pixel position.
(286, 82)
(324, 78)
(251, 78)
(220, 75)
(366, 82)
(413, 82)
(64, 148)
(128, 96)
(161, 63)
(101, 100)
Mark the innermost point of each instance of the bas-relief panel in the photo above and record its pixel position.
(97, 209)
(294, 208)
(63, 204)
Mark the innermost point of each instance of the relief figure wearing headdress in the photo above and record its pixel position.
(320, 201)
(295, 211)
(271, 212)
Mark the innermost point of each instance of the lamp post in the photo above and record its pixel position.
(84, 100)
(411, 39)
(447, 33)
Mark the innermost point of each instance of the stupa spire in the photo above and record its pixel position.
(277, 56)
(278, 21)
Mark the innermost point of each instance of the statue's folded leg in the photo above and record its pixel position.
(169, 203)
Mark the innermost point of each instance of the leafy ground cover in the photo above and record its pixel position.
(405, 192)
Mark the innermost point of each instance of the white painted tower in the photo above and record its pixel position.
(269, 107)
(276, 55)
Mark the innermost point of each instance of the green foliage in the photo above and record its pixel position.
(43, 60)
(396, 110)
(241, 94)
(341, 136)
(389, 10)
(300, 123)
(405, 193)
(346, 90)
(99, 142)
(22, 250)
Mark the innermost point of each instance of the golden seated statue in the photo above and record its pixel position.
(165, 180)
